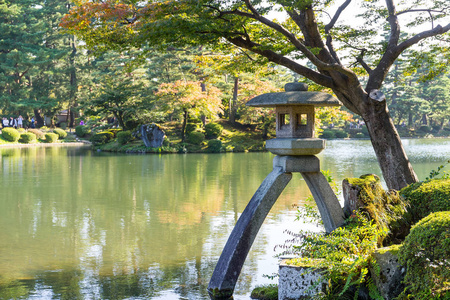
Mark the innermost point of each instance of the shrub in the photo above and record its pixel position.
(114, 131)
(27, 138)
(213, 130)
(63, 125)
(341, 134)
(44, 128)
(425, 128)
(39, 134)
(81, 130)
(427, 197)
(238, 148)
(191, 127)
(196, 138)
(365, 131)
(51, 137)
(359, 135)
(327, 134)
(214, 146)
(21, 130)
(102, 137)
(426, 254)
(10, 134)
(124, 137)
(60, 132)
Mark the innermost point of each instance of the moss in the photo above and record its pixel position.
(265, 292)
(393, 249)
(304, 262)
(427, 197)
(386, 209)
(426, 254)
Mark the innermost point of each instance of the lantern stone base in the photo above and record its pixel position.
(295, 146)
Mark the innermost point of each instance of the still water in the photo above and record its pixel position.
(77, 224)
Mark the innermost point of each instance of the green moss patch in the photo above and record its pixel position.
(265, 292)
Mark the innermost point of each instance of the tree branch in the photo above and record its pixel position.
(336, 16)
(361, 61)
(423, 35)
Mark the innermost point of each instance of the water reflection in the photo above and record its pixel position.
(78, 224)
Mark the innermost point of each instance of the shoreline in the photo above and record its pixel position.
(43, 145)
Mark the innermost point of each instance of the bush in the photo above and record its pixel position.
(114, 131)
(102, 137)
(191, 127)
(39, 134)
(341, 134)
(21, 130)
(124, 137)
(10, 134)
(196, 138)
(427, 197)
(359, 135)
(51, 137)
(425, 128)
(213, 130)
(60, 132)
(27, 138)
(426, 255)
(238, 148)
(327, 134)
(365, 131)
(214, 146)
(81, 130)
(63, 125)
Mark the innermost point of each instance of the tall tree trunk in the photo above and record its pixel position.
(183, 128)
(39, 118)
(392, 158)
(233, 100)
(73, 82)
(203, 117)
(410, 119)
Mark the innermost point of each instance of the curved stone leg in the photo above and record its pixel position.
(228, 268)
(330, 210)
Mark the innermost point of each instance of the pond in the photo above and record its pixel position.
(78, 224)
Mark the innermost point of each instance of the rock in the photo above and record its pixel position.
(152, 135)
(296, 282)
(295, 87)
(389, 280)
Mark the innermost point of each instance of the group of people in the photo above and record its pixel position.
(16, 122)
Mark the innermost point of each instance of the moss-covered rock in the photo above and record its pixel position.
(426, 254)
(386, 209)
(265, 292)
(427, 197)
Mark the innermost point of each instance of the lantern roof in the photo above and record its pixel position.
(294, 96)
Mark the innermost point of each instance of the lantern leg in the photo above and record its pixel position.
(330, 210)
(228, 268)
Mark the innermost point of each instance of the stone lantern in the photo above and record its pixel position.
(295, 147)
(295, 119)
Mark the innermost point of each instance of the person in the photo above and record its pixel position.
(32, 123)
(5, 122)
(20, 121)
(11, 122)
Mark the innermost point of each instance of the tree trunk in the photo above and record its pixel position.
(233, 101)
(203, 117)
(394, 163)
(39, 118)
(183, 128)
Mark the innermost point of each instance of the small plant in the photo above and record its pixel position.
(359, 135)
(191, 127)
(213, 130)
(114, 131)
(341, 134)
(51, 137)
(214, 146)
(426, 254)
(435, 173)
(196, 138)
(102, 137)
(124, 137)
(39, 134)
(10, 134)
(60, 132)
(27, 138)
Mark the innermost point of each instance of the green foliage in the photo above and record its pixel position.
(63, 125)
(359, 135)
(114, 131)
(102, 137)
(341, 134)
(10, 134)
(265, 292)
(426, 254)
(425, 129)
(196, 138)
(346, 254)
(39, 134)
(191, 127)
(82, 130)
(327, 134)
(365, 131)
(213, 130)
(60, 132)
(214, 146)
(124, 137)
(435, 173)
(27, 138)
(50, 137)
(427, 197)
